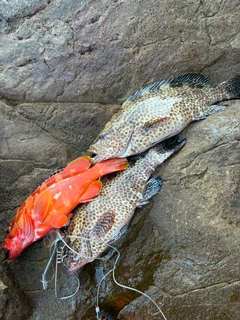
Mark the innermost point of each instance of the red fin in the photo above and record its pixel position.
(41, 206)
(76, 166)
(111, 165)
(91, 192)
(60, 222)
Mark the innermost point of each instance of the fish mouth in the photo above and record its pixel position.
(108, 155)
(77, 265)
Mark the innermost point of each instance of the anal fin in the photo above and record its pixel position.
(215, 108)
(91, 192)
(153, 186)
(60, 222)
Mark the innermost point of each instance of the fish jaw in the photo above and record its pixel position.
(74, 266)
(106, 152)
(105, 147)
(21, 235)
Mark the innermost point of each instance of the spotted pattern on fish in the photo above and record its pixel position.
(99, 222)
(159, 111)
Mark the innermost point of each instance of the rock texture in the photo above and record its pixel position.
(65, 67)
(184, 247)
(101, 51)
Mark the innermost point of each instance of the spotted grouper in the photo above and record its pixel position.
(100, 222)
(159, 111)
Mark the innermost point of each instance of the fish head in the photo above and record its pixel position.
(20, 234)
(75, 264)
(112, 142)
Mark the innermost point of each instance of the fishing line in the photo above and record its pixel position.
(44, 274)
(113, 273)
(60, 257)
(59, 260)
(78, 237)
(123, 286)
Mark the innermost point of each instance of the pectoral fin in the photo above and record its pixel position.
(62, 221)
(155, 124)
(41, 205)
(103, 224)
(91, 192)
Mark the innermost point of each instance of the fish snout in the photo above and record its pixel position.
(75, 265)
(14, 247)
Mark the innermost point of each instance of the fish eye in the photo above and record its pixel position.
(101, 137)
(8, 229)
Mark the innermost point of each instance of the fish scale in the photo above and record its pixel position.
(159, 111)
(99, 222)
(50, 205)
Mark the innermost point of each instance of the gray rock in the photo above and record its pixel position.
(102, 51)
(183, 249)
(194, 224)
(3, 297)
(63, 66)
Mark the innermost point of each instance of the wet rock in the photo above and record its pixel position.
(102, 51)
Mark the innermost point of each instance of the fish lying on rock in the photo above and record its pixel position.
(50, 205)
(159, 111)
(100, 222)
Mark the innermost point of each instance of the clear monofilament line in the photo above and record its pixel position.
(59, 259)
(109, 272)
(123, 286)
(44, 274)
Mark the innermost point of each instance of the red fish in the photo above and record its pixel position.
(50, 205)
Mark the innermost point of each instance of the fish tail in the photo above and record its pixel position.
(111, 165)
(232, 86)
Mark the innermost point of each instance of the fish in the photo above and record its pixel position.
(159, 111)
(101, 222)
(50, 205)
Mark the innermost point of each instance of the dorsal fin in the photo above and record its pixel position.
(191, 79)
(148, 89)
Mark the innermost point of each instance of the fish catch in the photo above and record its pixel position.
(99, 223)
(50, 205)
(159, 111)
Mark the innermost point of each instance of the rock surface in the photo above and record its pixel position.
(184, 247)
(64, 66)
(102, 51)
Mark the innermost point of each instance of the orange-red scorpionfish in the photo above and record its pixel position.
(50, 205)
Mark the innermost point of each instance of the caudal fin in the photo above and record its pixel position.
(232, 86)
(111, 165)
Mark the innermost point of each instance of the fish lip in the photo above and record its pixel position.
(121, 154)
(77, 265)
